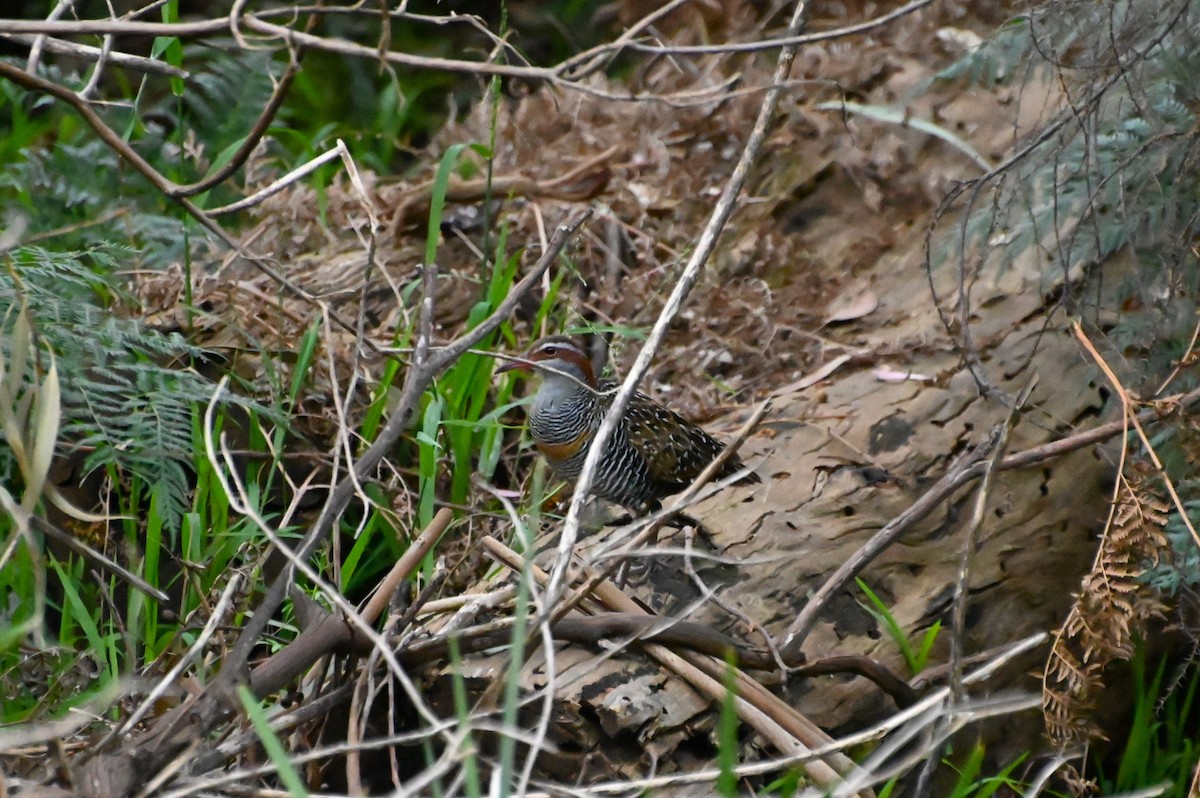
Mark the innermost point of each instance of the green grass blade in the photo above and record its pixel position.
(462, 711)
(77, 614)
(727, 736)
(921, 658)
(272, 744)
(879, 610)
(965, 784)
(304, 359)
(428, 449)
(437, 201)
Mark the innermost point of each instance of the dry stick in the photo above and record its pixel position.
(959, 612)
(1188, 358)
(710, 594)
(35, 52)
(343, 47)
(591, 60)
(218, 26)
(1034, 787)
(967, 470)
(902, 751)
(257, 23)
(697, 637)
(354, 50)
(207, 27)
(136, 63)
(353, 763)
(797, 726)
(278, 185)
(691, 273)
(869, 736)
(959, 609)
(334, 630)
(193, 652)
(98, 558)
(962, 474)
(240, 778)
(791, 40)
(98, 70)
(257, 131)
(311, 709)
(786, 728)
(118, 774)
(564, 74)
(397, 625)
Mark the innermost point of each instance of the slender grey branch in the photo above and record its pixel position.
(88, 52)
(791, 40)
(691, 273)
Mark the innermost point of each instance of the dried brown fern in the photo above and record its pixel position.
(1113, 606)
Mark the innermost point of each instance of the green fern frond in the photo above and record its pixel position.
(1120, 170)
(995, 61)
(128, 396)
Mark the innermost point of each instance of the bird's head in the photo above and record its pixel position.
(555, 354)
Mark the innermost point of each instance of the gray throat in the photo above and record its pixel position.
(562, 409)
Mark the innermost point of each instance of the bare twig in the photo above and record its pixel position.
(136, 63)
(194, 650)
(787, 730)
(99, 558)
(253, 136)
(790, 40)
(1127, 405)
(982, 495)
(691, 273)
(958, 613)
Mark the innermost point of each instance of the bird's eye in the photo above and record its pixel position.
(550, 350)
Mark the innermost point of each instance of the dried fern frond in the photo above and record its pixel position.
(1113, 606)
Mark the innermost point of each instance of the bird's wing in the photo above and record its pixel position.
(675, 450)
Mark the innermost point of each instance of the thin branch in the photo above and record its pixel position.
(1127, 410)
(958, 613)
(136, 63)
(792, 40)
(978, 512)
(691, 273)
(254, 136)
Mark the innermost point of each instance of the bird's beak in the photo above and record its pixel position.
(516, 364)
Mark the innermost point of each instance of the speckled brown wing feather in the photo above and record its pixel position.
(675, 450)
